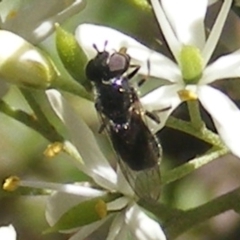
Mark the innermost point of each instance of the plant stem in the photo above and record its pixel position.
(197, 215)
(191, 166)
(30, 121)
(204, 134)
(195, 115)
(72, 87)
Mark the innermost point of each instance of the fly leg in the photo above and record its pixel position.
(154, 114)
(99, 109)
(134, 72)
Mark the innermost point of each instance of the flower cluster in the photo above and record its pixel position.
(189, 77)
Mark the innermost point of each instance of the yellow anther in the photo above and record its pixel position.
(12, 14)
(186, 95)
(101, 208)
(53, 149)
(11, 184)
(123, 50)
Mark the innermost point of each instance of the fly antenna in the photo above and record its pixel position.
(96, 48)
(104, 49)
(105, 45)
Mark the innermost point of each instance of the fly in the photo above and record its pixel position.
(122, 116)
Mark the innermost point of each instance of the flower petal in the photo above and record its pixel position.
(86, 36)
(4, 87)
(160, 65)
(216, 31)
(188, 26)
(117, 204)
(123, 233)
(210, 2)
(59, 203)
(116, 226)
(173, 43)
(225, 115)
(95, 164)
(8, 233)
(224, 67)
(123, 185)
(41, 16)
(141, 226)
(160, 98)
(85, 231)
(24, 64)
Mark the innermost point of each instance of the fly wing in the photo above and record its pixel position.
(145, 183)
(138, 151)
(139, 154)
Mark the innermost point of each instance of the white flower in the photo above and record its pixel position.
(22, 63)
(182, 23)
(128, 218)
(8, 233)
(34, 20)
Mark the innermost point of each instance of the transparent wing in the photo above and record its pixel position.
(145, 183)
(144, 178)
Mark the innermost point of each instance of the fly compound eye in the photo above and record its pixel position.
(118, 63)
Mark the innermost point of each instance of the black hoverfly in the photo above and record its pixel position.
(122, 116)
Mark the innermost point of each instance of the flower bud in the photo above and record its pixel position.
(73, 57)
(23, 64)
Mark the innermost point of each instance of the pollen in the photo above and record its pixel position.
(11, 184)
(101, 208)
(53, 149)
(186, 95)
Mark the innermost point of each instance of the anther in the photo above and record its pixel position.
(53, 149)
(101, 208)
(11, 184)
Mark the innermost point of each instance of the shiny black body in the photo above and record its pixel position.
(122, 115)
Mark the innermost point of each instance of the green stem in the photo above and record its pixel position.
(29, 97)
(192, 217)
(195, 115)
(191, 166)
(72, 87)
(29, 120)
(204, 134)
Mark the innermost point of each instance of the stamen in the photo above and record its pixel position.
(11, 184)
(101, 208)
(123, 50)
(70, 149)
(186, 95)
(53, 149)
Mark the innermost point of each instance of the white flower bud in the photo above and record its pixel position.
(23, 64)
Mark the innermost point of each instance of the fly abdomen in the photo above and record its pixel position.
(135, 144)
